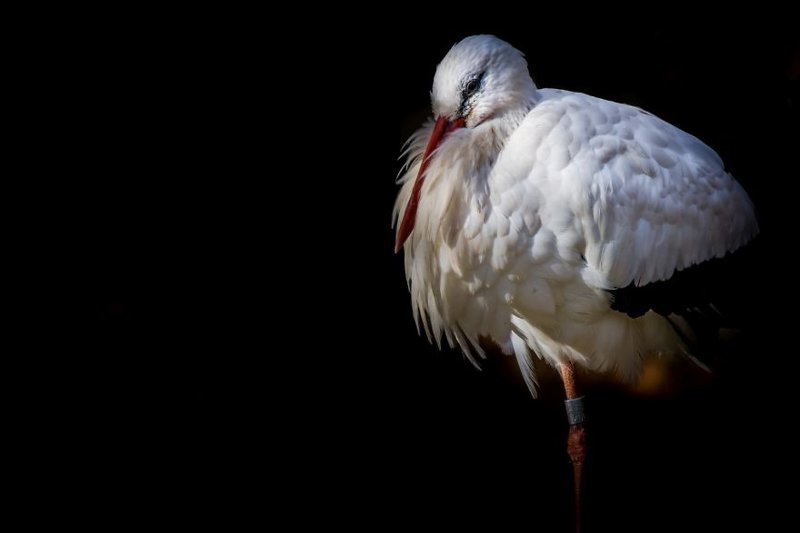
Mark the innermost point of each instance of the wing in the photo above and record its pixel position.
(645, 198)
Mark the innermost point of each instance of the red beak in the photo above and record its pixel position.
(440, 131)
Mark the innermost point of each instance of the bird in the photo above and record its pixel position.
(557, 225)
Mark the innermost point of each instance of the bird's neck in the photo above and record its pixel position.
(508, 122)
(488, 140)
(458, 183)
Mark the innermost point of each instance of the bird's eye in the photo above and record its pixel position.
(471, 87)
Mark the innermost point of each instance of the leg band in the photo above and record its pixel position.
(575, 414)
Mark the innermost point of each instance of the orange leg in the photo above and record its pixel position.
(576, 441)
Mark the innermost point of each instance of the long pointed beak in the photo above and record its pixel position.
(440, 131)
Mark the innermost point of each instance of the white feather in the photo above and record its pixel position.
(543, 202)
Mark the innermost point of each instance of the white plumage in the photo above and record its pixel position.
(543, 202)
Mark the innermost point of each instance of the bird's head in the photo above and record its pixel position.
(480, 79)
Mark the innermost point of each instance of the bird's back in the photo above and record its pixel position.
(644, 197)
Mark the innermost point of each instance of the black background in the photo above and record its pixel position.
(247, 343)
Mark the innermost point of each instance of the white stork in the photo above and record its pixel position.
(548, 221)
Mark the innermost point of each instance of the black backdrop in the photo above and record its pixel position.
(249, 345)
